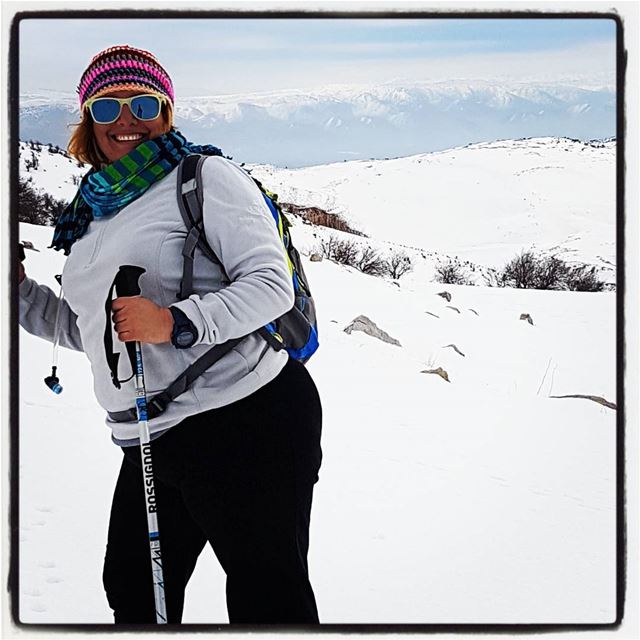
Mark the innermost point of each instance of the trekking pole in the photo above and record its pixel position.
(127, 285)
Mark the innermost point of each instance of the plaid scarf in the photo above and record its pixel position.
(105, 192)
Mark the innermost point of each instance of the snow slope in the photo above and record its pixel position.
(481, 500)
(483, 203)
(56, 173)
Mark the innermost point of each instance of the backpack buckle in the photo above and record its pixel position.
(189, 186)
(159, 403)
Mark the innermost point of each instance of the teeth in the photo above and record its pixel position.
(129, 138)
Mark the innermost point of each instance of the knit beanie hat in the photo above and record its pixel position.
(124, 67)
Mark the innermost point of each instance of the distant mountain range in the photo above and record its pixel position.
(302, 128)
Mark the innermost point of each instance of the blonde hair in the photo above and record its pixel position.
(83, 146)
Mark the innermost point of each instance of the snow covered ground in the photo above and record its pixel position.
(482, 202)
(478, 500)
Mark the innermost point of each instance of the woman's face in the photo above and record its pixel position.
(117, 139)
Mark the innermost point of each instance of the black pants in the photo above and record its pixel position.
(240, 477)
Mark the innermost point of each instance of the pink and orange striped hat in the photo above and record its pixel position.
(124, 67)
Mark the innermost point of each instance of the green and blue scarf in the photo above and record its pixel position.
(105, 192)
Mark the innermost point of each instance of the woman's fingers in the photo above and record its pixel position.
(138, 318)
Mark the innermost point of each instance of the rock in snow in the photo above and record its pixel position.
(453, 346)
(439, 372)
(362, 323)
(527, 317)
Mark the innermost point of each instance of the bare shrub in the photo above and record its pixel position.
(37, 208)
(350, 253)
(327, 247)
(451, 272)
(370, 262)
(397, 264)
(342, 251)
(521, 272)
(584, 278)
(345, 252)
(28, 204)
(552, 273)
(32, 162)
(531, 271)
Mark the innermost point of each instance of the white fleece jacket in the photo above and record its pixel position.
(150, 233)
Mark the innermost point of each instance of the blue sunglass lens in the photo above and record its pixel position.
(105, 110)
(145, 107)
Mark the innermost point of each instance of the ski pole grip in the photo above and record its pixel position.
(127, 280)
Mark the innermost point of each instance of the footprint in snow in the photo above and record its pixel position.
(38, 607)
(53, 580)
(47, 564)
(33, 592)
(44, 509)
(38, 523)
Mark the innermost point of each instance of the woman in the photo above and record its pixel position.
(236, 456)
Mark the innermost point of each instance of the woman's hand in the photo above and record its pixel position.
(140, 319)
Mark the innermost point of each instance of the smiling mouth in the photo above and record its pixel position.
(128, 137)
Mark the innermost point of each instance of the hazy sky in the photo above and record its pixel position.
(217, 56)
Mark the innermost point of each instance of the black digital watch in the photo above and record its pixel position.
(184, 332)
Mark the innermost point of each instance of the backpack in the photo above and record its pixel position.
(296, 331)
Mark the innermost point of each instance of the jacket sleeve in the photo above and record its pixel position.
(37, 315)
(242, 232)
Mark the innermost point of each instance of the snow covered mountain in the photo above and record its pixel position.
(482, 203)
(361, 122)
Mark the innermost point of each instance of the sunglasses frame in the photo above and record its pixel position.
(122, 101)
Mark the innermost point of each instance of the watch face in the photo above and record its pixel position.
(185, 338)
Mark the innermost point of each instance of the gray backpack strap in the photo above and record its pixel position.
(158, 403)
(190, 205)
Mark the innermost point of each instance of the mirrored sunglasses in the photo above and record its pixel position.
(107, 110)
